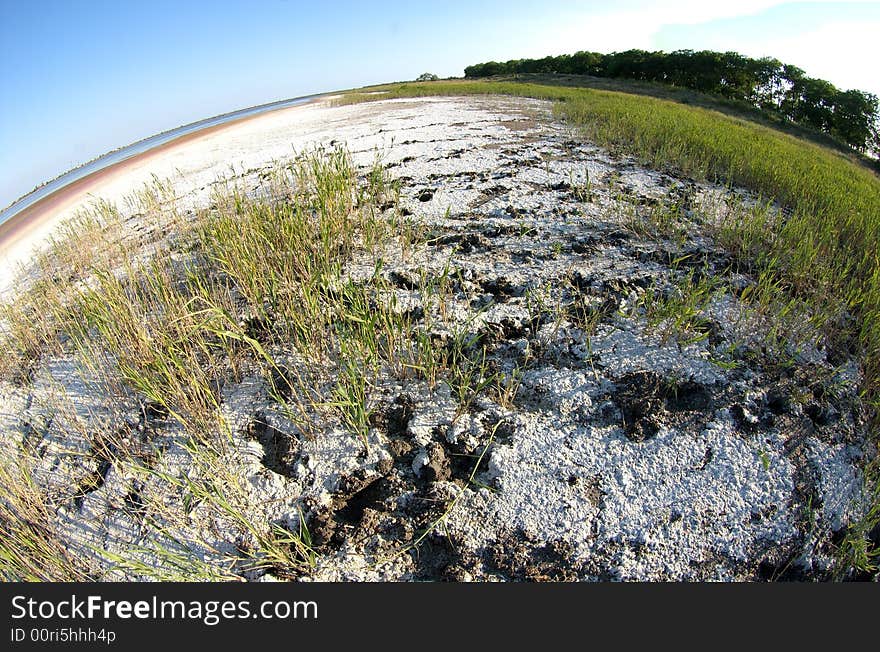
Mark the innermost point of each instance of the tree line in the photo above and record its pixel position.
(851, 116)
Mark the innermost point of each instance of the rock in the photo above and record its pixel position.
(437, 468)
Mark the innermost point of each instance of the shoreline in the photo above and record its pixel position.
(34, 223)
(248, 112)
(587, 437)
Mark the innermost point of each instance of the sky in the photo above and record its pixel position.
(78, 79)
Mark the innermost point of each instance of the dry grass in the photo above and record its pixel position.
(249, 286)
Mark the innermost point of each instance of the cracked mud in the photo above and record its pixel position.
(628, 447)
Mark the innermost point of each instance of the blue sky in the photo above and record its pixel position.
(78, 79)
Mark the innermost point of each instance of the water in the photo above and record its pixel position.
(139, 148)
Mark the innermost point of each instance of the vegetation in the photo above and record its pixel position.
(811, 239)
(784, 90)
(821, 246)
(254, 286)
(259, 285)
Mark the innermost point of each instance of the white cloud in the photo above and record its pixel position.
(843, 52)
(614, 27)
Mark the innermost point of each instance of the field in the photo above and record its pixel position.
(326, 294)
(824, 250)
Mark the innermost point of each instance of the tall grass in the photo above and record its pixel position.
(264, 284)
(31, 547)
(169, 331)
(812, 239)
(824, 248)
(258, 284)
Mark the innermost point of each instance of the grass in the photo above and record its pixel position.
(691, 97)
(812, 238)
(255, 285)
(678, 311)
(822, 245)
(263, 285)
(31, 547)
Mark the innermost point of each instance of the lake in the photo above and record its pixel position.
(141, 146)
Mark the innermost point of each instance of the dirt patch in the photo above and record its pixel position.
(648, 402)
(281, 450)
(640, 400)
(96, 478)
(521, 125)
(466, 243)
(515, 557)
(617, 451)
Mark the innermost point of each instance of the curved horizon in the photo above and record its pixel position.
(124, 152)
(83, 78)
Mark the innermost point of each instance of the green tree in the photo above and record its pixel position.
(854, 119)
(767, 84)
